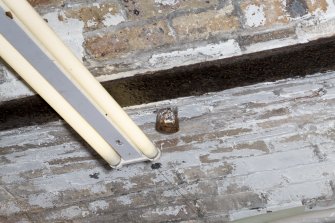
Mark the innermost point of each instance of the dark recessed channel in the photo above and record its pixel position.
(299, 60)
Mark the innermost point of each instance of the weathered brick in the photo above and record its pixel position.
(202, 25)
(314, 6)
(130, 39)
(266, 36)
(259, 13)
(137, 9)
(97, 15)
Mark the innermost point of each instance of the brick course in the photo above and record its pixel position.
(114, 30)
(137, 10)
(195, 26)
(120, 38)
(127, 40)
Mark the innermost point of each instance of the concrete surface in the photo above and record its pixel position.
(239, 153)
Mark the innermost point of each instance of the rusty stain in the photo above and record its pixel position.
(167, 120)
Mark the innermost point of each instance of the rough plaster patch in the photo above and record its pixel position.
(98, 205)
(170, 211)
(69, 30)
(166, 2)
(91, 23)
(7, 208)
(255, 15)
(330, 13)
(14, 89)
(311, 32)
(125, 200)
(98, 188)
(193, 55)
(112, 20)
(273, 44)
(68, 213)
(42, 200)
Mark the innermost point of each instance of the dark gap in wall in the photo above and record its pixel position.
(197, 79)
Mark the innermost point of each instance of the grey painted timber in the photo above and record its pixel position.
(241, 152)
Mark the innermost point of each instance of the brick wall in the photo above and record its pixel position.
(119, 38)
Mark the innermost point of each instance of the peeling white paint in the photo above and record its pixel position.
(255, 15)
(91, 23)
(98, 188)
(96, 206)
(189, 111)
(125, 200)
(70, 31)
(198, 54)
(272, 44)
(9, 207)
(320, 25)
(288, 173)
(13, 87)
(70, 212)
(42, 200)
(13, 90)
(325, 28)
(330, 13)
(167, 2)
(112, 20)
(172, 211)
(96, 4)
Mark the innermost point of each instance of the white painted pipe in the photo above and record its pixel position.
(38, 27)
(57, 102)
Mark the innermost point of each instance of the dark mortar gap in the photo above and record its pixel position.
(197, 79)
